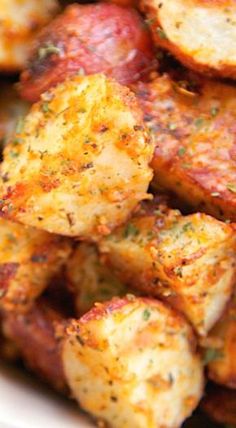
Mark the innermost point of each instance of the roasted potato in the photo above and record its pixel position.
(88, 39)
(193, 124)
(200, 33)
(220, 404)
(20, 21)
(80, 163)
(34, 335)
(12, 110)
(221, 348)
(188, 260)
(28, 260)
(126, 360)
(90, 280)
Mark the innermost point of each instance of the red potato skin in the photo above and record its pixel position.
(87, 39)
(34, 334)
(220, 405)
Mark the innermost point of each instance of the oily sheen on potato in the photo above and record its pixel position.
(80, 163)
(93, 38)
(187, 260)
(20, 21)
(200, 33)
(29, 258)
(192, 121)
(126, 360)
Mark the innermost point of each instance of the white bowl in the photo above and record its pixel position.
(25, 403)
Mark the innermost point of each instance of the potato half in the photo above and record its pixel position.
(192, 121)
(80, 164)
(188, 260)
(132, 363)
(200, 33)
(29, 258)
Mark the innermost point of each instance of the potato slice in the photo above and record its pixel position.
(80, 164)
(193, 123)
(29, 258)
(200, 33)
(20, 21)
(188, 260)
(90, 280)
(221, 349)
(132, 363)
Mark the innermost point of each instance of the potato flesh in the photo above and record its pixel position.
(83, 149)
(127, 360)
(187, 260)
(90, 280)
(200, 34)
(29, 259)
(19, 23)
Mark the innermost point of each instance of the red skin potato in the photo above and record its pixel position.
(87, 39)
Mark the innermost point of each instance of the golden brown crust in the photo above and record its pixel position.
(193, 123)
(80, 164)
(34, 334)
(222, 368)
(187, 30)
(127, 359)
(187, 260)
(29, 258)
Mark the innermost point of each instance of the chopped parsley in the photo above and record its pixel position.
(131, 230)
(161, 33)
(214, 111)
(48, 50)
(212, 354)
(181, 151)
(231, 187)
(146, 314)
(199, 122)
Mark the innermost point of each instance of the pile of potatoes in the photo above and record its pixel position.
(118, 204)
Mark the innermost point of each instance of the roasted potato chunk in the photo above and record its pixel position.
(220, 404)
(128, 359)
(80, 164)
(12, 110)
(222, 349)
(28, 260)
(34, 335)
(193, 124)
(88, 39)
(20, 21)
(90, 280)
(188, 260)
(200, 33)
